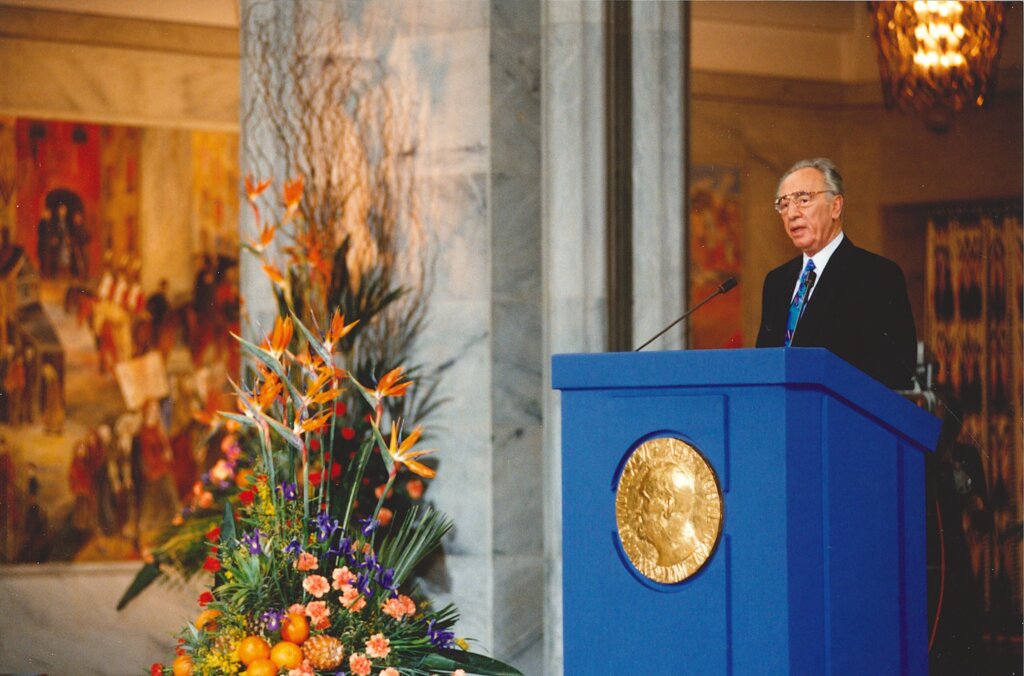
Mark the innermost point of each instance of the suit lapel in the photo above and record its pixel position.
(826, 293)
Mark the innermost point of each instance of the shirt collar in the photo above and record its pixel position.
(821, 258)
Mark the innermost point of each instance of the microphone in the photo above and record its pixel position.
(725, 287)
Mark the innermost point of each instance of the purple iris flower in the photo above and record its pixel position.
(343, 548)
(325, 526)
(370, 563)
(386, 579)
(273, 619)
(289, 490)
(442, 638)
(363, 585)
(293, 548)
(369, 525)
(252, 541)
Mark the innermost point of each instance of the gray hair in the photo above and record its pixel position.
(833, 181)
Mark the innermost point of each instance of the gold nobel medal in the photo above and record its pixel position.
(668, 509)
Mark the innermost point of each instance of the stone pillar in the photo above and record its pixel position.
(574, 220)
(507, 99)
(469, 75)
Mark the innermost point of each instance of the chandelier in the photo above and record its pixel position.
(936, 57)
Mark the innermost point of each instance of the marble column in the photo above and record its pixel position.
(507, 100)
(468, 75)
(574, 276)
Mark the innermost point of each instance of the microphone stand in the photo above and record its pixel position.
(724, 287)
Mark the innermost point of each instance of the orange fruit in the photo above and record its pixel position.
(206, 619)
(286, 655)
(182, 665)
(261, 667)
(252, 648)
(295, 628)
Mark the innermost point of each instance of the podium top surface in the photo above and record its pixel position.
(810, 367)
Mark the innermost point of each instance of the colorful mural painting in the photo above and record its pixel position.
(715, 255)
(106, 353)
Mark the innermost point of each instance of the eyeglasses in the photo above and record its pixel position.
(801, 199)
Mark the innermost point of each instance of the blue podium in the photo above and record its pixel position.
(819, 567)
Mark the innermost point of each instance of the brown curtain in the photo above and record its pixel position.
(973, 325)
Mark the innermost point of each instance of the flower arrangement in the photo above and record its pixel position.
(316, 278)
(309, 577)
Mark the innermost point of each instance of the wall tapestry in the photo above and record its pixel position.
(108, 347)
(973, 325)
(715, 255)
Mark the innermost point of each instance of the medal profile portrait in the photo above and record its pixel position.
(668, 509)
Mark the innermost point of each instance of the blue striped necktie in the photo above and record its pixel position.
(796, 308)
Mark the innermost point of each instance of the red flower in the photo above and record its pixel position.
(211, 564)
(214, 534)
(348, 434)
(335, 471)
(314, 478)
(315, 444)
(205, 598)
(246, 497)
(340, 408)
(156, 669)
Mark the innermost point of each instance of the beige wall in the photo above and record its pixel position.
(887, 158)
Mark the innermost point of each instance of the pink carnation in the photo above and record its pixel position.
(359, 665)
(318, 612)
(316, 585)
(304, 669)
(306, 561)
(407, 604)
(342, 576)
(390, 671)
(377, 646)
(393, 608)
(351, 599)
(297, 608)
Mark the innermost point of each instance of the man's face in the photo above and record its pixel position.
(813, 226)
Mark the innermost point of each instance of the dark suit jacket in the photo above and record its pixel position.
(859, 310)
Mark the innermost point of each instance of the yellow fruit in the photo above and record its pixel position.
(206, 619)
(261, 667)
(286, 655)
(182, 665)
(295, 628)
(252, 648)
(324, 652)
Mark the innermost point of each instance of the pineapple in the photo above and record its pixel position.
(323, 652)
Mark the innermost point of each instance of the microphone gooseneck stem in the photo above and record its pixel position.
(724, 287)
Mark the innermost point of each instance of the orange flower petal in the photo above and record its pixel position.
(252, 191)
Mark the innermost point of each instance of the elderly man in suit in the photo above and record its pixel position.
(835, 295)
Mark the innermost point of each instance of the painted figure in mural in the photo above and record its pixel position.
(14, 386)
(53, 400)
(81, 481)
(157, 334)
(62, 246)
(46, 267)
(35, 546)
(78, 238)
(202, 331)
(158, 502)
(851, 301)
